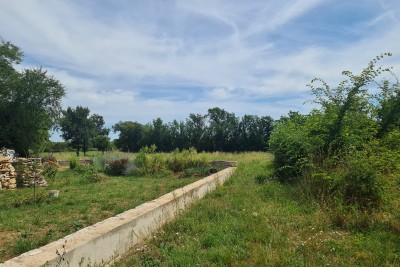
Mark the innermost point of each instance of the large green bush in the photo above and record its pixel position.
(341, 152)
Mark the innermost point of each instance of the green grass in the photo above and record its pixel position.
(89, 155)
(25, 225)
(256, 221)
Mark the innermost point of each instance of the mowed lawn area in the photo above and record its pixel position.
(253, 220)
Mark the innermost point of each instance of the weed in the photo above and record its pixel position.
(117, 167)
(261, 178)
(73, 163)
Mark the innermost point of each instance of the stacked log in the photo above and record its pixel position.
(8, 176)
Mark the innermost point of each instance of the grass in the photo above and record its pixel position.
(253, 220)
(89, 154)
(25, 225)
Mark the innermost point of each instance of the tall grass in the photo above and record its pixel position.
(253, 220)
(86, 197)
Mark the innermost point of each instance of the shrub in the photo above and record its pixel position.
(50, 159)
(290, 147)
(50, 171)
(117, 167)
(95, 177)
(132, 170)
(261, 178)
(73, 163)
(360, 181)
(195, 171)
(187, 159)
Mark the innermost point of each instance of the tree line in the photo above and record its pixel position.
(218, 130)
(30, 107)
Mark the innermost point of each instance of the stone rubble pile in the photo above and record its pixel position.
(29, 172)
(8, 176)
(24, 172)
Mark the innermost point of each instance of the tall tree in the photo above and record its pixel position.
(30, 102)
(80, 129)
(131, 136)
(223, 129)
(196, 129)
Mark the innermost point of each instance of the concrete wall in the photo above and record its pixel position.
(105, 241)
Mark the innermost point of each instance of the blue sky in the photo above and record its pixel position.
(139, 60)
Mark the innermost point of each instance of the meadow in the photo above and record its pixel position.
(254, 220)
(251, 220)
(29, 218)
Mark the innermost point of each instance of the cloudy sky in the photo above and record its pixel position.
(142, 59)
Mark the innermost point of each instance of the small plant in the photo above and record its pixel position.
(77, 225)
(261, 178)
(73, 163)
(50, 171)
(95, 177)
(117, 167)
(132, 170)
(49, 159)
(195, 172)
(61, 254)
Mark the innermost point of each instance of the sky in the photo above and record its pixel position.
(140, 60)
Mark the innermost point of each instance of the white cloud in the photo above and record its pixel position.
(229, 52)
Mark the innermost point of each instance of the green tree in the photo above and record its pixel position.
(388, 110)
(337, 151)
(102, 143)
(30, 102)
(131, 136)
(196, 129)
(80, 129)
(222, 129)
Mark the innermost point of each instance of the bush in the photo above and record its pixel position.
(360, 182)
(94, 177)
(132, 170)
(261, 178)
(73, 163)
(187, 159)
(50, 171)
(117, 167)
(195, 171)
(50, 159)
(290, 146)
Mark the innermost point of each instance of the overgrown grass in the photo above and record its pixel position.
(254, 220)
(86, 197)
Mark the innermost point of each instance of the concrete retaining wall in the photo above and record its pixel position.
(102, 243)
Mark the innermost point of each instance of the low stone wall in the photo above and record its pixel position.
(29, 172)
(8, 176)
(106, 241)
(21, 172)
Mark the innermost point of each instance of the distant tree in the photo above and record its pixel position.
(222, 129)
(177, 133)
(79, 129)
(102, 143)
(30, 102)
(196, 131)
(131, 136)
